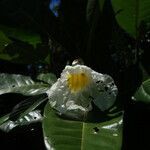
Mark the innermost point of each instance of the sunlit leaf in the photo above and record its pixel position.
(65, 134)
(12, 83)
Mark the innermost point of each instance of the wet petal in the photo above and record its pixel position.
(78, 85)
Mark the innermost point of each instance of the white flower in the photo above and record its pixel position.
(78, 85)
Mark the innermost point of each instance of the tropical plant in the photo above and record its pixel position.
(117, 30)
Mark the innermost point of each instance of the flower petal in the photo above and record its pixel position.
(78, 85)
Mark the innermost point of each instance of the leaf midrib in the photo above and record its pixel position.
(82, 136)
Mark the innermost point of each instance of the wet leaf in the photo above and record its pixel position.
(31, 117)
(26, 106)
(12, 83)
(47, 77)
(65, 134)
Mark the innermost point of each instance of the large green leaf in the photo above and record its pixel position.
(143, 93)
(131, 13)
(12, 83)
(61, 134)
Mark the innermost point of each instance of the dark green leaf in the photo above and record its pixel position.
(4, 41)
(12, 83)
(22, 35)
(4, 119)
(76, 135)
(131, 13)
(22, 52)
(143, 93)
(26, 106)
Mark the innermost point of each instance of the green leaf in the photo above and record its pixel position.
(21, 52)
(26, 46)
(12, 83)
(26, 106)
(4, 41)
(4, 119)
(143, 93)
(31, 117)
(22, 35)
(47, 77)
(76, 135)
(131, 13)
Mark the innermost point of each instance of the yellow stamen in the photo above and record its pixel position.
(77, 81)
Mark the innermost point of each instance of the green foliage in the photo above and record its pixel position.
(24, 47)
(21, 35)
(11, 83)
(131, 14)
(4, 41)
(60, 133)
(47, 77)
(143, 93)
(7, 125)
(25, 111)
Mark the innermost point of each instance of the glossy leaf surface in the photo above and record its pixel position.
(47, 77)
(65, 134)
(31, 117)
(12, 83)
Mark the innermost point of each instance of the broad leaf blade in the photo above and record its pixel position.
(130, 14)
(12, 83)
(74, 135)
(143, 93)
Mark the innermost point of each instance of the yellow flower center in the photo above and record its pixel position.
(77, 81)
